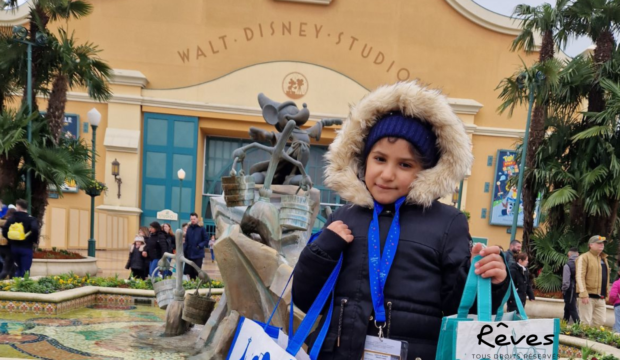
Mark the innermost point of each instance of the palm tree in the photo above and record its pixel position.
(58, 66)
(597, 19)
(546, 20)
(49, 162)
(76, 65)
(515, 91)
(41, 13)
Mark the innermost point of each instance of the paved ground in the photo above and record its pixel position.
(111, 262)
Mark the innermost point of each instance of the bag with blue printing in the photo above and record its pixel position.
(256, 340)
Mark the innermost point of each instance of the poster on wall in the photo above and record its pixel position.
(504, 197)
(72, 126)
(71, 129)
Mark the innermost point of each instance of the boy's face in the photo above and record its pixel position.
(390, 169)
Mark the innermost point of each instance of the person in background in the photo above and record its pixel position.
(156, 246)
(170, 237)
(521, 278)
(3, 210)
(513, 250)
(592, 279)
(27, 227)
(6, 259)
(196, 240)
(211, 243)
(144, 232)
(136, 261)
(184, 228)
(614, 297)
(569, 290)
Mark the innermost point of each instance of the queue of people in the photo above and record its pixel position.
(151, 243)
(585, 283)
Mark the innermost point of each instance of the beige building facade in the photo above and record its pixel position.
(187, 76)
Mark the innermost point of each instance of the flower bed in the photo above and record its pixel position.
(52, 284)
(56, 254)
(599, 334)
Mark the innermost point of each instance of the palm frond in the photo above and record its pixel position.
(560, 196)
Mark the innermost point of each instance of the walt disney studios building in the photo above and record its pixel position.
(186, 80)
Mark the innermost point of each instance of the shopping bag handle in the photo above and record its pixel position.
(476, 287)
(297, 338)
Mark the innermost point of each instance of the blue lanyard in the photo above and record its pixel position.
(379, 266)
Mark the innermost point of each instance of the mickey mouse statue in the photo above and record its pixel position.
(278, 114)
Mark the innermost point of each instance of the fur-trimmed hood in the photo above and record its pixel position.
(345, 155)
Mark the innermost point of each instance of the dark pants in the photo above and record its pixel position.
(189, 270)
(22, 256)
(138, 273)
(8, 266)
(212, 256)
(570, 307)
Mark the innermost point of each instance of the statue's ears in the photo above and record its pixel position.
(270, 114)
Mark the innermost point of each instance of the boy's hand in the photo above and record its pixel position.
(491, 265)
(341, 229)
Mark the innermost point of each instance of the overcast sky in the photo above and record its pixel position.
(505, 7)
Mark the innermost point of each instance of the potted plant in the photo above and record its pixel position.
(95, 188)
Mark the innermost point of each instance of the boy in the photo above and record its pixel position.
(401, 149)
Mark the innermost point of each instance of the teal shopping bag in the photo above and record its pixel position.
(506, 336)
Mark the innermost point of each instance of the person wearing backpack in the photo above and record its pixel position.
(569, 289)
(6, 259)
(22, 230)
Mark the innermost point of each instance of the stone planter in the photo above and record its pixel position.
(80, 267)
(554, 308)
(598, 347)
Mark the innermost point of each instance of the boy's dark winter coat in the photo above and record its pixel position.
(424, 259)
(429, 271)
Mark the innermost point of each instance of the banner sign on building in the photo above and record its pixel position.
(504, 202)
(167, 215)
(70, 129)
(72, 126)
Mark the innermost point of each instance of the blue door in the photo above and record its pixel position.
(169, 145)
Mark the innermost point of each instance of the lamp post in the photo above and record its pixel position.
(521, 79)
(20, 34)
(181, 176)
(94, 117)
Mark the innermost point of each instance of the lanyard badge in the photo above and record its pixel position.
(379, 266)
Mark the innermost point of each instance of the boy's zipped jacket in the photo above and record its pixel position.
(428, 274)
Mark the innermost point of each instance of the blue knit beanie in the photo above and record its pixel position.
(419, 134)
